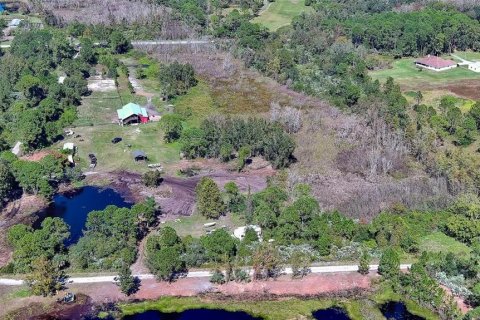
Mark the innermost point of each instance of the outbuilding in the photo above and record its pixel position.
(17, 149)
(15, 23)
(435, 63)
(239, 233)
(132, 113)
(139, 155)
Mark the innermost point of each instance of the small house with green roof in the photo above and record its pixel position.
(132, 113)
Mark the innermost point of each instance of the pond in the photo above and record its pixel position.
(194, 314)
(73, 207)
(2, 7)
(331, 314)
(398, 311)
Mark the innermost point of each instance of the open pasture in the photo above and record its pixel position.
(280, 13)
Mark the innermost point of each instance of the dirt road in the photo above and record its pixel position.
(207, 274)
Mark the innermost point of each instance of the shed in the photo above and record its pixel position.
(239, 233)
(132, 113)
(139, 155)
(435, 63)
(69, 146)
(474, 66)
(17, 149)
(15, 23)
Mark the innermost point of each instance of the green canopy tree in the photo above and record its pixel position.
(164, 254)
(126, 281)
(45, 278)
(209, 199)
(171, 124)
(389, 265)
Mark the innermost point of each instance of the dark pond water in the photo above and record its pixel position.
(331, 314)
(398, 311)
(195, 314)
(2, 7)
(73, 207)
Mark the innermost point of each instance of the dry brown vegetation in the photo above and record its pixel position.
(356, 166)
(109, 12)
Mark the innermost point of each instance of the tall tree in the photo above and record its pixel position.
(389, 265)
(209, 199)
(45, 279)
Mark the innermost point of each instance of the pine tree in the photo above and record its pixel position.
(364, 264)
(128, 283)
(209, 199)
(45, 278)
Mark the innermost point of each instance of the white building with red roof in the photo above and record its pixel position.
(435, 63)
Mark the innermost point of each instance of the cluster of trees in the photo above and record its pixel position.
(430, 31)
(176, 79)
(111, 235)
(33, 177)
(34, 107)
(312, 56)
(109, 243)
(169, 256)
(221, 137)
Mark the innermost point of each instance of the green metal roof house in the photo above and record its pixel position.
(132, 113)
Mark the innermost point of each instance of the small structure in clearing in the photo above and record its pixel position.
(17, 149)
(139, 155)
(239, 233)
(132, 113)
(15, 23)
(474, 66)
(435, 63)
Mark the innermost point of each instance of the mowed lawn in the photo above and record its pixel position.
(439, 242)
(97, 126)
(280, 13)
(408, 75)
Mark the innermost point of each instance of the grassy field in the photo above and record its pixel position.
(280, 13)
(406, 73)
(96, 126)
(439, 242)
(193, 225)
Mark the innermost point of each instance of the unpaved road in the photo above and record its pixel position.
(171, 42)
(204, 274)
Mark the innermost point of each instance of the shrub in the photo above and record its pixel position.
(217, 277)
(152, 178)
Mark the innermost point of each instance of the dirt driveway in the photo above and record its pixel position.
(311, 285)
(176, 195)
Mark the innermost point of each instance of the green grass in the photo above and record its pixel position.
(147, 137)
(439, 242)
(196, 105)
(94, 124)
(193, 225)
(405, 72)
(280, 13)
(284, 309)
(20, 293)
(468, 55)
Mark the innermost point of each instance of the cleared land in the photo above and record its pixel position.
(280, 13)
(439, 242)
(459, 81)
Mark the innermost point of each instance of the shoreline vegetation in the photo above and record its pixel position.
(280, 308)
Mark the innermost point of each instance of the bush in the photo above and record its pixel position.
(152, 178)
(241, 275)
(217, 277)
(364, 264)
(389, 266)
